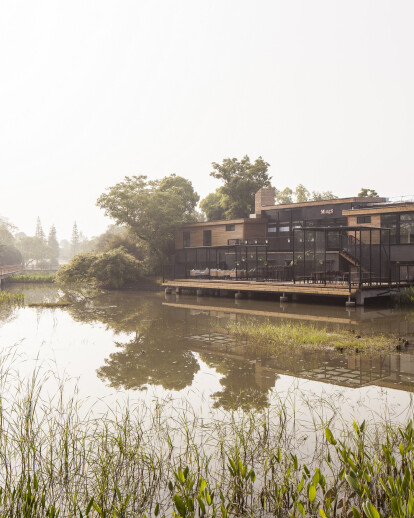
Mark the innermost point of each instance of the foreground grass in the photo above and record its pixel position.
(267, 338)
(57, 459)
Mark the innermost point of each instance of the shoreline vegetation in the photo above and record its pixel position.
(266, 338)
(34, 278)
(60, 459)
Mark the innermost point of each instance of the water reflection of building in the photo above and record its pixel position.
(396, 370)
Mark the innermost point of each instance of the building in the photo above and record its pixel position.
(349, 240)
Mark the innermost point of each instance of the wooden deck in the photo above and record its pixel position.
(339, 290)
(6, 271)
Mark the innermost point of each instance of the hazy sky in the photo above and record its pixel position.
(91, 91)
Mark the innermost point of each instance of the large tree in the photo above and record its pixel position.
(212, 206)
(241, 180)
(151, 209)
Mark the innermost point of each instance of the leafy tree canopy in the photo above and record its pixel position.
(212, 206)
(151, 209)
(301, 195)
(285, 196)
(241, 180)
(367, 193)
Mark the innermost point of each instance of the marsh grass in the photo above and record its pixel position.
(35, 278)
(265, 338)
(61, 456)
(11, 299)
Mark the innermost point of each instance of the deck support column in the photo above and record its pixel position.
(178, 290)
(284, 298)
(168, 290)
(200, 292)
(360, 298)
(350, 303)
(238, 295)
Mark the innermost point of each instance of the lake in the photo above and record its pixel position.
(147, 346)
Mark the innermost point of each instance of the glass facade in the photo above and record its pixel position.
(407, 228)
(401, 226)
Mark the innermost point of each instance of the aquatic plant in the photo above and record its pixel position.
(11, 299)
(31, 278)
(59, 458)
(265, 338)
(405, 296)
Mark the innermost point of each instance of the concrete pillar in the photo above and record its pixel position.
(350, 303)
(168, 290)
(238, 295)
(178, 290)
(360, 298)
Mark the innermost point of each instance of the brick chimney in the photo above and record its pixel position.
(265, 197)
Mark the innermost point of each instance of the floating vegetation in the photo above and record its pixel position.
(267, 338)
(32, 278)
(49, 304)
(11, 299)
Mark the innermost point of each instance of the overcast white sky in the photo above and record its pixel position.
(91, 91)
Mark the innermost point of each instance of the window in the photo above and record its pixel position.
(363, 219)
(407, 228)
(284, 226)
(230, 228)
(272, 228)
(391, 221)
(207, 238)
(186, 239)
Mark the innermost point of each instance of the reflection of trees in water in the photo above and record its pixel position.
(158, 353)
(149, 359)
(245, 385)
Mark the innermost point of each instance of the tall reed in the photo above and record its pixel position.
(61, 456)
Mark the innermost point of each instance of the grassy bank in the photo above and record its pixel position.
(148, 461)
(36, 278)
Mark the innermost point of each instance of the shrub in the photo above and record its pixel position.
(112, 269)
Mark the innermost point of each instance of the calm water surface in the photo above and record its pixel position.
(145, 346)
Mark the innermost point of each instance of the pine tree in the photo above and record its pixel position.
(75, 239)
(39, 230)
(53, 244)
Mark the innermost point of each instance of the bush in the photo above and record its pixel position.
(111, 270)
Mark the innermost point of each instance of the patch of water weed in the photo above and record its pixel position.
(32, 278)
(405, 297)
(267, 338)
(58, 304)
(60, 457)
(11, 299)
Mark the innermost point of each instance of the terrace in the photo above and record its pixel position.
(348, 256)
